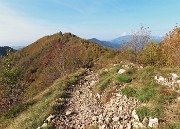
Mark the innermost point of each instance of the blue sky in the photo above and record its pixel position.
(24, 21)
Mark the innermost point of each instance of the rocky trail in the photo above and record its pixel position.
(85, 109)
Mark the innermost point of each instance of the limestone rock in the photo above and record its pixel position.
(174, 76)
(121, 126)
(138, 125)
(44, 125)
(134, 115)
(129, 126)
(69, 112)
(115, 119)
(153, 122)
(50, 118)
(102, 127)
(145, 121)
(94, 118)
(98, 96)
(121, 71)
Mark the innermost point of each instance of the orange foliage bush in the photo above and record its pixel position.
(170, 47)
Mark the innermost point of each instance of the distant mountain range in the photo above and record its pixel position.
(118, 42)
(105, 43)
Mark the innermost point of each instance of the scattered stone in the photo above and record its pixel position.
(121, 126)
(121, 71)
(107, 120)
(115, 65)
(120, 108)
(50, 118)
(98, 96)
(141, 67)
(153, 122)
(94, 118)
(171, 82)
(174, 76)
(69, 112)
(106, 70)
(44, 125)
(102, 127)
(138, 125)
(129, 126)
(115, 119)
(134, 115)
(145, 121)
(125, 66)
(178, 98)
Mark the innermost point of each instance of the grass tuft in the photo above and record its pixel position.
(129, 91)
(124, 78)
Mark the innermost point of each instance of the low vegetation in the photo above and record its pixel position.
(32, 113)
(124, 78)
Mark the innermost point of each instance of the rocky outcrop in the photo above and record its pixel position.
(172, 81)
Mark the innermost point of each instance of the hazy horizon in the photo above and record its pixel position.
(23, 22)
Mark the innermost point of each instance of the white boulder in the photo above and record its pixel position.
(174, 76)
(50, 118)
(138, 125)
(134, 115)
(153, 122)
(69, 112)
(121, 71)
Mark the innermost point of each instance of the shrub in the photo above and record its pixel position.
(124, 78)
(15, 110)
(149, 55)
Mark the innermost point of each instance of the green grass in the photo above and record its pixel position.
(15, 110)
(129, 91)
(147, 112)
(156, 97)
(145, 94)
(106, 79)
(124, 78)
(46, 103)
(172, 126)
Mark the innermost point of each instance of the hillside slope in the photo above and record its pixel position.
(48, 59)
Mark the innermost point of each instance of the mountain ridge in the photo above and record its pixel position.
(118, 42)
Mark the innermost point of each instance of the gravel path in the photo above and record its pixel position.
(84, 108)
